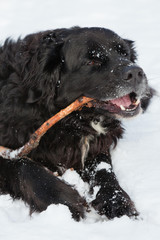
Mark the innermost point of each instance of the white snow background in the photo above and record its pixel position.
(137, 157)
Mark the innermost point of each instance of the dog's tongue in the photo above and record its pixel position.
(124, 101)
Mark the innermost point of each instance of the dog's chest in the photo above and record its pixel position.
(80, 141)
(93, 143)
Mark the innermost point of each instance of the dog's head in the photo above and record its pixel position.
(92, 62)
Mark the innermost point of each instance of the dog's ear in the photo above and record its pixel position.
(51, 51)
(42, 58)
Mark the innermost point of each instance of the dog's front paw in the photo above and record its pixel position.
(70, 197)
(78, 208)
(114, 203)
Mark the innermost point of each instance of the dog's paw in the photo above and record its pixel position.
(78, 209)
(76, 204)
(114, 203)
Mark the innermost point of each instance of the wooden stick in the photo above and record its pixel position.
(36, 136)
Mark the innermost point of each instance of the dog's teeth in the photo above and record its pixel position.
(137, 102)
(122, 108)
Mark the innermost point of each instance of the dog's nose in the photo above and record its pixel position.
(133, 73)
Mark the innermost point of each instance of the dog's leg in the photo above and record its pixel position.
(27, 180)
(111, 199)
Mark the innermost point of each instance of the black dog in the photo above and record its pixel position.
(44, 73)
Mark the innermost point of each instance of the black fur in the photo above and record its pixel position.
(43, 73)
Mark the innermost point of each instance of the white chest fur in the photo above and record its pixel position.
(85, 140)
(98, 126)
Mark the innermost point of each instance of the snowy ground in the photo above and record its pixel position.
(137, 157)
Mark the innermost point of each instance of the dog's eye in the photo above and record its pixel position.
(121, 50)
(94, 63)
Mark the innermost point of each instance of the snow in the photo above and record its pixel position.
(103, 165)
(137, 158)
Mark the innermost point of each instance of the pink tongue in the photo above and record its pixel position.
(124, 101)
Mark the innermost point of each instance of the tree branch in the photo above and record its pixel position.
(36, 136)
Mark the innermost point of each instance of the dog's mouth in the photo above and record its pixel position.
(126, 106)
